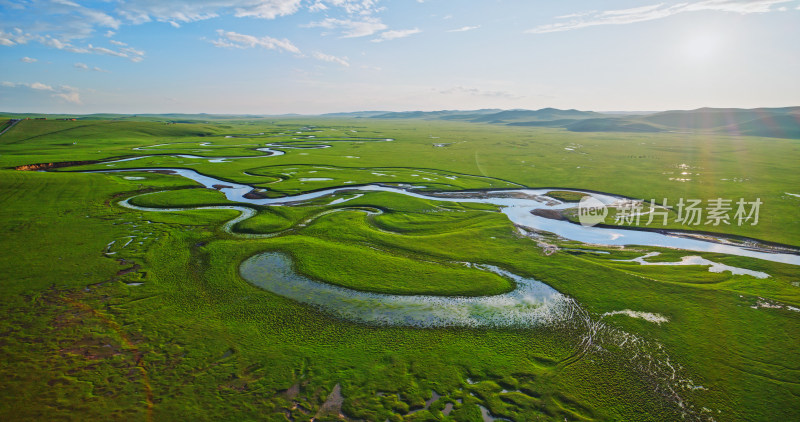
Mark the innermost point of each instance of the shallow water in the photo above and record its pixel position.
(531, 303)
(270, 153)
(714, 267)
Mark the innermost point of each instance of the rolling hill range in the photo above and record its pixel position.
(783, 122)
(766, 122)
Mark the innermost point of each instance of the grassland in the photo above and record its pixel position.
(159, 325)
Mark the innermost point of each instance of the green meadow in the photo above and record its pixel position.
(111, 313)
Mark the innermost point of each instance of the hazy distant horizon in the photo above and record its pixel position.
(324, 56)
(290, 114)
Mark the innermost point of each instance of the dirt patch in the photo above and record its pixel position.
(333, 404)
(254, 194)
(219, 187)
(134, 268)
(48, 166)
(551, 214)
(293, 391)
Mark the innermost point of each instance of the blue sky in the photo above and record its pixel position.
(317, 56)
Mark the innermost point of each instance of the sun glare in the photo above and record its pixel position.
(702, 46)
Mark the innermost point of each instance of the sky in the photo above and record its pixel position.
(320, 56)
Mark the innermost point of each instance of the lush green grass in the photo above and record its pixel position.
(181, 198)
(213, 346)
(195, 341)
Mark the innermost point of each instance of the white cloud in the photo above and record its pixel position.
(99, 18)
(53, 42)
(317, 7)
(6, 39)
(71, 97)
(269, 9)
(229, 39)
(465, 28)
(461, 90)
(17, 36)
(59, 24)
(656, 11)
(64, 92)
(351, 28)
(106, 51)
(35, 85)
(184, 11)
(350, 7)
(332, 59)
(86, 15)
(40, 86)
(84, 66)
(28, 60)
(132, 52)
(395, 34)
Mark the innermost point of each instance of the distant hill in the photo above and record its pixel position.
(442, 114)
(766, 122)
(781, 126)
(355, 114)
(546, 123)
(783, 122)
(711, 118)
(545, 114)
(493, 115)
(611, 125)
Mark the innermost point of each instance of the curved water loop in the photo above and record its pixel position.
(530, 303)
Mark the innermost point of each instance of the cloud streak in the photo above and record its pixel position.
(63, 92)
(185, 11)
(84, 66)
(19, 37)
(654, 12)
(350, 28)
(396, 33)
(230, 39)
(331, 59)
(465, 28)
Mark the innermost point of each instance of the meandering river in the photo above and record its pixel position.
(516, 204)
